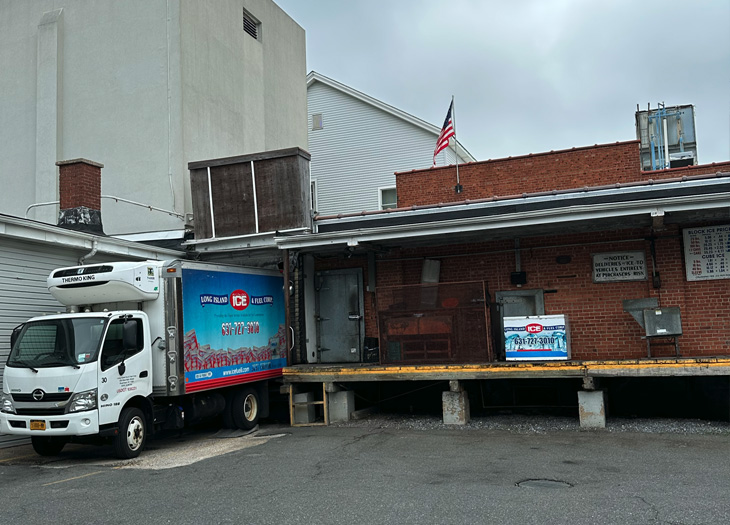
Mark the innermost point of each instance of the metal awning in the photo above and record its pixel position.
(688, 201)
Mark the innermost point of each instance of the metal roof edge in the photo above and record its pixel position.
(518, 218)
(494, 198)
(30, 230)
(264, 155)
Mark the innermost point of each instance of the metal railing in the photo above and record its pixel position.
(434, 323)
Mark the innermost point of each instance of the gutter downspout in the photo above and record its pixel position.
(94, 248)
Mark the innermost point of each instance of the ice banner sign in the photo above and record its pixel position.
(538, 338)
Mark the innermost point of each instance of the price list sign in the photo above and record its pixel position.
(707, 253)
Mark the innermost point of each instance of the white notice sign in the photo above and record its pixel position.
(619, 266)
(707, 253)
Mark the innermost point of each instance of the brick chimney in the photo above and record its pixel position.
(80, 195)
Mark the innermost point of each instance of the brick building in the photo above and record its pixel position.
(526, 236)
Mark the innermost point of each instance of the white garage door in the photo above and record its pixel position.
(24, 268)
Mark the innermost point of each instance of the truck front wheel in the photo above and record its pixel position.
(47, 446)
(130, 440)
(245, 408)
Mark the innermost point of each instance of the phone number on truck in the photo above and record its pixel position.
(240, 328)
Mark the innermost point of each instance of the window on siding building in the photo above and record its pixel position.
(317, 121)
(387, 198)
(251, 25)
(314, 195)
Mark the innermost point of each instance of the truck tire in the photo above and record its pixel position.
(130, 440)
(47, 446)
(245, 408)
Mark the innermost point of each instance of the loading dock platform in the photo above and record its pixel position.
(683, 366)
(591, 402)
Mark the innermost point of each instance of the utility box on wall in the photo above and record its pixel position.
(662, 322)
(251, 194)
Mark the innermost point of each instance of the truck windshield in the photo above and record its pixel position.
(57, 342)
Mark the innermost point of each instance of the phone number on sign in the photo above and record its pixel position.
(240, 328)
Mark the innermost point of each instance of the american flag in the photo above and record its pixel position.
(446, 133)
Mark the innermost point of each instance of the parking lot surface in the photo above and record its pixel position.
(382, 470)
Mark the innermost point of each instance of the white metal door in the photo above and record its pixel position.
(514, 303)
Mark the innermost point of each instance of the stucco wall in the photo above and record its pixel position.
(241, 95)
(143, 87)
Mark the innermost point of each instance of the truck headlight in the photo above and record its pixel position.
(6, 404)
(82, 401)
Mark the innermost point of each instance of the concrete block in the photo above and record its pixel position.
(341, 405)
(592, 408)
(456, 408)
(304, 413)
(591, 383)
(332, 387)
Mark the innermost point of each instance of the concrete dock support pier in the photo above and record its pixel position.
(455, 405)
(340, 403)
(591, 405)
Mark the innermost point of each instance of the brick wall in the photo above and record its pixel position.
(687, 171)
(599, 328)
(80, 184)
(556, 170)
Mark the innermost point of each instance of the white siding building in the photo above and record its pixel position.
(144, 87)
(357, 144)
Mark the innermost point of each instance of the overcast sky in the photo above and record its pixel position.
(530, 75)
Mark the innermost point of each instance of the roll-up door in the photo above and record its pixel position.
(24, 267)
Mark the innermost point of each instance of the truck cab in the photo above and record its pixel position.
(73, 375)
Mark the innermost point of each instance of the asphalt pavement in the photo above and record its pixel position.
(381, 471)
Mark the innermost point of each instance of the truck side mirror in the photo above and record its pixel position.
(14, 334)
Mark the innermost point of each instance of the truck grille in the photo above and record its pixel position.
(47, 398)
(40, 411)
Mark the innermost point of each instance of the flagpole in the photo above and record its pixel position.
(458, 187)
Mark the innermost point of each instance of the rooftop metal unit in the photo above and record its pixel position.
(664, 132)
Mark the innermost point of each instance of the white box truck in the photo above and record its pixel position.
(144, 346)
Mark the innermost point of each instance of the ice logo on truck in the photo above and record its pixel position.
(239, 300)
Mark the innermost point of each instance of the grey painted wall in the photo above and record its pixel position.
(144, 87)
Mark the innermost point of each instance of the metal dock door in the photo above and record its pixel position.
(513, 303)
(339, 315)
